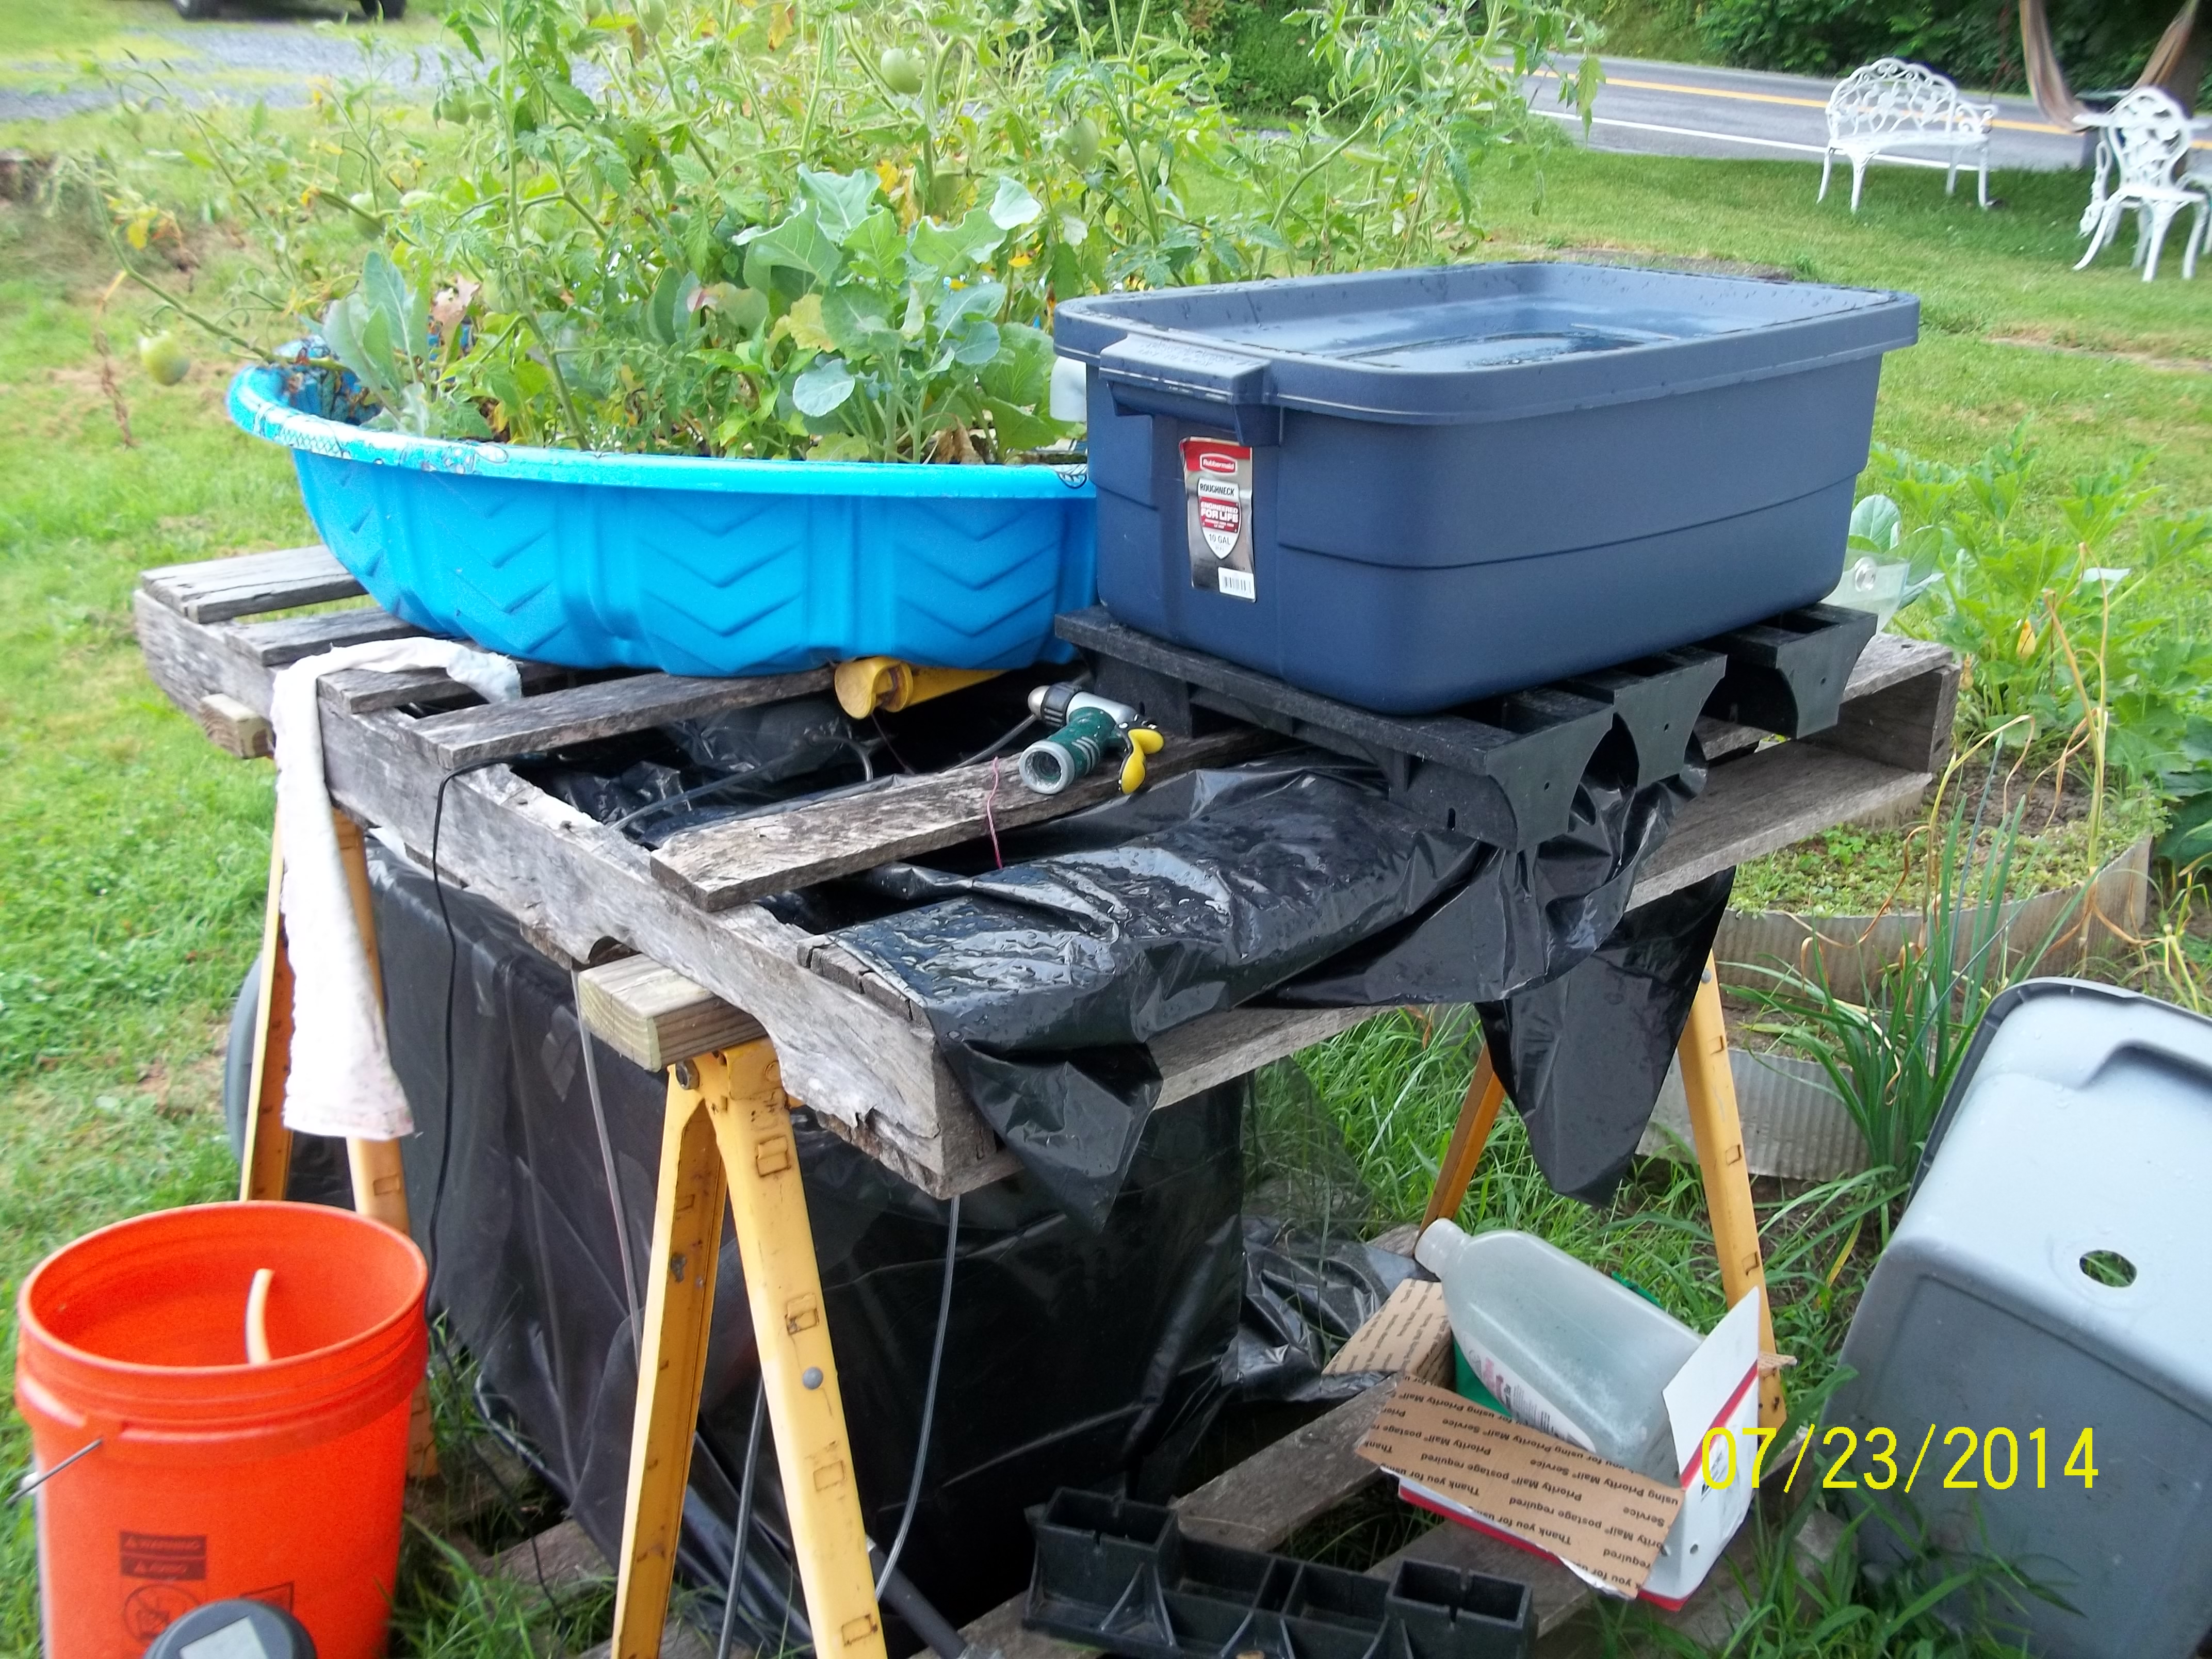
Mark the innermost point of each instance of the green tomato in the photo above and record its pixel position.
(164, 358)
(902, 71)
(1083, 140)
(653, 16)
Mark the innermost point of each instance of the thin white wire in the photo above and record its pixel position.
(607, 1162)
(928, 1398)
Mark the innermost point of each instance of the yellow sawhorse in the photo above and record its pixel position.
(727, 1135)
(379, 1186)
(1715, 1130)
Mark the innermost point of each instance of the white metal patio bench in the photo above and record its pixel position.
(1894, 105)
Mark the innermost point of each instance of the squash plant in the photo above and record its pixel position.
(833, 228)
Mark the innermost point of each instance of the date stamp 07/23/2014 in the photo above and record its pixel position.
(1992, 1460)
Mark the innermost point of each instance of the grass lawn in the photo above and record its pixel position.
(132, 854)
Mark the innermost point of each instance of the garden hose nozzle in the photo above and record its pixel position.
(1086, 729)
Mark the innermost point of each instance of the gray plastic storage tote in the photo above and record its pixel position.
(1411, 489)
(2032, 1355)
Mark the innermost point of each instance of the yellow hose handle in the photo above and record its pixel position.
(1143, 741)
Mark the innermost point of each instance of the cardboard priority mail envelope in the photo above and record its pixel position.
(1621, 1531)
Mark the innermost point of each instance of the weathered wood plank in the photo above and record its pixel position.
(559, 1558)
(1218, 1048)
(250, 584)
(726, 864)
(606, 709)
(235, 728)
(1273, 1492)
(583, 885)
(1761, 803)
(190, 662)
(1905, 723)
(275, 644)
(371, 691)
(653, 1016)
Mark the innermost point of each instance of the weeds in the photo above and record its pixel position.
(1892, 1059)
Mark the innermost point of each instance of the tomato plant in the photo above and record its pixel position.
(827, 228)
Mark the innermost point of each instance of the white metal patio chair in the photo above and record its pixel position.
(1894, 105)
(2145, 142)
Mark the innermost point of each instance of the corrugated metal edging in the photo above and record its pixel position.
(1854, 950)
(1794, 1122)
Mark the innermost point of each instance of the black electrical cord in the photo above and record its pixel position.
(446, 1153)
(452, 992)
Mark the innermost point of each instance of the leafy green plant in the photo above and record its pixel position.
(835, 231)
(2062, 649)
(1893, 1059)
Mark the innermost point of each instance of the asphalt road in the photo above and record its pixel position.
(1645, 108)
(265, 53)
(1675, 109)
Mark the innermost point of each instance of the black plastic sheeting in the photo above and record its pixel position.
(1582, 1057)
(1294, 879)
(1080, 1356)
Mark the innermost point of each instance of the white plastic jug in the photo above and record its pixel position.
(1564, 1348)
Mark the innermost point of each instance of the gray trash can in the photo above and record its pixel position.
(2074, 1153)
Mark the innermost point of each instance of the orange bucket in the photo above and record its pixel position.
(215, 1477)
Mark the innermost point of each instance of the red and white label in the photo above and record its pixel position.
(1218, 496)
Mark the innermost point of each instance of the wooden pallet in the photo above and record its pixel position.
(851, 1045)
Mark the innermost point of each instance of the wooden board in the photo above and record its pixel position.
(654, 1017)
(251, 583)
(605, 709)
(1762, 802)
(852, 1047)
(726, 864)
(234, 728)
(275, 644)
(369, 690)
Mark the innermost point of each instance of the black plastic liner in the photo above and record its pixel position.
(1582, 1057)
(1095, 1357)
(1294, 879)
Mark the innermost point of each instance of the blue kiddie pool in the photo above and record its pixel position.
(692, 565)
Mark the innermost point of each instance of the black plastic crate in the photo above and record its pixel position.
(1121, 1576)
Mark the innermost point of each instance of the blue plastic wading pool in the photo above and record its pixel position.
(1414, 488)
(692, 565)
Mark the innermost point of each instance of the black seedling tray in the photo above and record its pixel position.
(1504, 769)
(1788, 673)
(1121, 1576)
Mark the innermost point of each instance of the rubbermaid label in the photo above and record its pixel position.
(1217, 485)
(164, 1556)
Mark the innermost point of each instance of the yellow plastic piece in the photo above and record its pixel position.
(867, 684)
(1143, 741)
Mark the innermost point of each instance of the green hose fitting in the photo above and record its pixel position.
(1052, 763)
